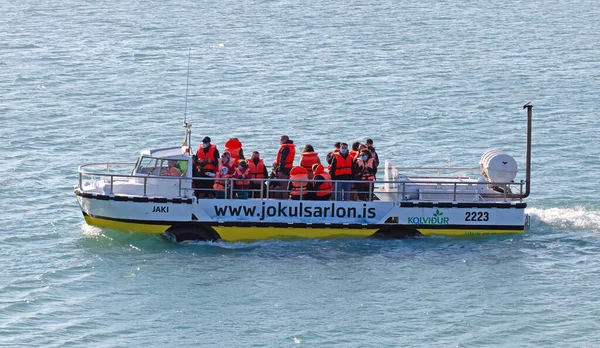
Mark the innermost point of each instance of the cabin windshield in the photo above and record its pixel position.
(158, 166)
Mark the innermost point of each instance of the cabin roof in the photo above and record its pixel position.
(175, 152)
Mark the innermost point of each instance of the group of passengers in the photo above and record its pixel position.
(350, 173)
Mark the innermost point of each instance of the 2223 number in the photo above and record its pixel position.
(477, 216)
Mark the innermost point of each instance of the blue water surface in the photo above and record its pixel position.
(433, 83)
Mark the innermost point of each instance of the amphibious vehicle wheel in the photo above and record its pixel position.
(396, 232)
(192, 232)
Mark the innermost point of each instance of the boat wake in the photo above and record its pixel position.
(577, 218)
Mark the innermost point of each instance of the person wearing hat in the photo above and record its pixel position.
(282, 165)
(242, 180)
(207, 161)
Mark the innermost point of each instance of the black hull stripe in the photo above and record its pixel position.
(313, 225)
(507, 205)
(501, 205)
(133, 199)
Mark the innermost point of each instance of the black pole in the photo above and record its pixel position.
(529, 108)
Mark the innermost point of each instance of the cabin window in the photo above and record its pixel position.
(148, 166)
(159, 166)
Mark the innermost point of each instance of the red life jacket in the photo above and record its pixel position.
(208, 158)
(239, 181)
(289, 161)
(307, 159)
(256, 170)
(353, 153)
(326, 187)
(365, 174)
(233, 146)
(343, 166)
(334, 152)
(297, 174)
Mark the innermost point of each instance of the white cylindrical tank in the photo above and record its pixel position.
(496, 166)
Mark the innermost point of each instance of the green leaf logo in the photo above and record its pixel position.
(437, 213)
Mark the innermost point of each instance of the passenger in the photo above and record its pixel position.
(242, 182)
(331, 155)
(221, 183)
(355, 149)
(227, 161)
(364, 171)
(308, 158)
(183, 165)
(369, 144)
(174, 169)
(341, 170)
(321, 184)
(258, 170)
(283, 164)
(298, 186)
(207, 159)
(234, 146)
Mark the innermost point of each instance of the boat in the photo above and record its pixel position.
(138, 197)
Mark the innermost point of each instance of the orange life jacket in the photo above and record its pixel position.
(343, 166)
(325, 188)
(233, 146)
(297, 174)
(219, 185)
(256, 170)
(353, 153)
(365, 174)
(307, 159)
(242, 182)
(230, 166)
(208, 158)
(289, 161)
(173, 172)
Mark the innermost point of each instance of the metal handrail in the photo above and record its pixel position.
(230, 185)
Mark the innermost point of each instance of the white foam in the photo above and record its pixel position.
(577, 217)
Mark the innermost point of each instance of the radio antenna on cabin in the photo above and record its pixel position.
(188, 133)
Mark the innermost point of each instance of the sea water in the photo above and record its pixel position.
(433, 83)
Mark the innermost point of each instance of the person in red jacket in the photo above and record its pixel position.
(242, 180)
(282, 166)
(205, 168)
(308, 158)
(321, 184)
(234, 147)
(258, 170)
(341, 171)
(364, 172)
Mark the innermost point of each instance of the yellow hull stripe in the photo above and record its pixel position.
(464, 232)
(125, 226)
(233, 233)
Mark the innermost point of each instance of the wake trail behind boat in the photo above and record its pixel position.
(578, 218)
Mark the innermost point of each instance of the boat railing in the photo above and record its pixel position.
(404, 188)
(436, 170)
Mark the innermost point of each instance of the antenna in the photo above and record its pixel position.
(188, 131)
(187, 86)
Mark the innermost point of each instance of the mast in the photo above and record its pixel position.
(529, 108)
(187, 141)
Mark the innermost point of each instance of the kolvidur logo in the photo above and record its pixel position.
(436, 219)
